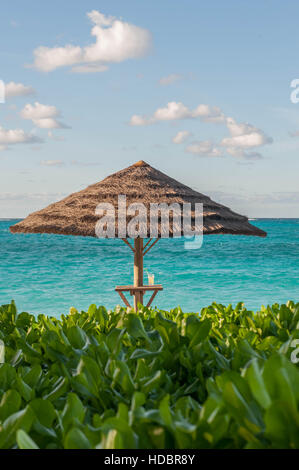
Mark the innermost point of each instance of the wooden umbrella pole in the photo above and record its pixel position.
(138, 270)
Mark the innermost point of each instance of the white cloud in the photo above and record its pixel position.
(39, 111)
(13, 89)
(176, 111)
(254, 139)
(204, 148)
(172, 111)
(49, 123)
(43, 116)
(242, 143)
(10, 137)
(243, 138)
(242, 154)
(51, 163)
(115, 41)
(181, 137)
(174, 77)
(138, 120)
(208, 113)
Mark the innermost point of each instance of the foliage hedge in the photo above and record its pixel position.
(155, 379)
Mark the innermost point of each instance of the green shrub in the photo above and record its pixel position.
(155, 379)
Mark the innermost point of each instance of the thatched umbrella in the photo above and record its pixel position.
(141, 183)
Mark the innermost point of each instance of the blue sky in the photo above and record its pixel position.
(62, 129)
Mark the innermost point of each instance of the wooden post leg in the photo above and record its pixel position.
(152, 298)
(124, 299)
(138, 270)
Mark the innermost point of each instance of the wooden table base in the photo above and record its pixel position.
(142, 289)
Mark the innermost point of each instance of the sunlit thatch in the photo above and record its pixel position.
(75, 215)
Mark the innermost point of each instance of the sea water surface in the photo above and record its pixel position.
(50, 273)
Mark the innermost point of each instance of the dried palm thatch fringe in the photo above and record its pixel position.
(75, 215)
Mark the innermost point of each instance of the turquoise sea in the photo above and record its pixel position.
(50, 273)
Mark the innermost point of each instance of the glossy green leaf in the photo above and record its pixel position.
(24, 441)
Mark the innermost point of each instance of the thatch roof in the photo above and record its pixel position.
(75, 215)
